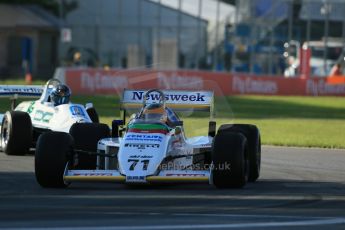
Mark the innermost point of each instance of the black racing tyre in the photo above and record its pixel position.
(53, 151)
(230, 163)
(86, 137)
(252, 133)
(16, 133)
(93, 114)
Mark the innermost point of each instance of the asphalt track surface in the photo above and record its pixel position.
(299, 188)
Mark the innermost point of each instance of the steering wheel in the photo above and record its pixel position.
(161, 96)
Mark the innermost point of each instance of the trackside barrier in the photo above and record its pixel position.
(92, 81)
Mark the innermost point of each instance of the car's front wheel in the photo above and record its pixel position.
(86, 137)
(53, 151)
(252, 133)
(16, 133)
(230, 160)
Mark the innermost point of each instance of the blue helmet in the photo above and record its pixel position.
(60, 95)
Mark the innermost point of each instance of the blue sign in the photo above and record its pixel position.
(77, 111)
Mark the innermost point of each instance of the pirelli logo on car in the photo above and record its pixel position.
(178, 99)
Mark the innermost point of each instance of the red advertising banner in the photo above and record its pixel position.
(99, 81)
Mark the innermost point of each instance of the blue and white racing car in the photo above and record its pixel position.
(152, 147)
(53, 111)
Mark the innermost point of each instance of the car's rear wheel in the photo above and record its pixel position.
(230, 160)
(16, 133)
(86, 137)
(53, 151)
(251, 132)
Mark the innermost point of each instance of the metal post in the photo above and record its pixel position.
(290, 29)
(252, 40)
(61, 27)
(159, 32)
(326, 11)
(270, 63)
(119, 31)
(97, 35)
(216, 53)
(308, 23)
(233, 55)
(179, 31)
(344, 32)
(199, 36)
(139, 25)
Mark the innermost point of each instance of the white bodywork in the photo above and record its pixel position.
(139, 160)
(151, 152)
(44, 115)
(56, 118)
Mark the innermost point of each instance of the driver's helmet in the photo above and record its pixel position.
(60, 94)
(155, 112)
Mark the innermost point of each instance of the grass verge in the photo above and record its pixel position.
(287, 121)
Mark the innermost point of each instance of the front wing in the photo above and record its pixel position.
(167, 176)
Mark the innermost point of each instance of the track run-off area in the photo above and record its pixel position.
(299, 188)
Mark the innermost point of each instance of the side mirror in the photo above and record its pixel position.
(88, 105)
(115, 128)
(211, 128)
(177, 123)
(178, 130)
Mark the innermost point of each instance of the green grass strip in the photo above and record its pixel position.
(282, 120)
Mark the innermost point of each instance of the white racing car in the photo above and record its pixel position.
(152, 147)
(21, 127)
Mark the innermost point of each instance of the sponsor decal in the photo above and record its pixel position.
(141, 146)
(171, 97)
(136, 179)
(142, 137)
(30, 108)
(100, 81)
(21, 90)
(141, 156)
(321, 87)
(175, 81)
(138, 96)
(250, 85)
(77, 111)
(92, 174)
(185, 175)
(42, 116)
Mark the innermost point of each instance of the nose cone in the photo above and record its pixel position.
(140, 154)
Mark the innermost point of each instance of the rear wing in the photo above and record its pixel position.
(15, 91)
(20, 90)
(178, 100)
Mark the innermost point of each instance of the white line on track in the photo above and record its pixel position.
(255, 216)
(208, 197)
(207, 226)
